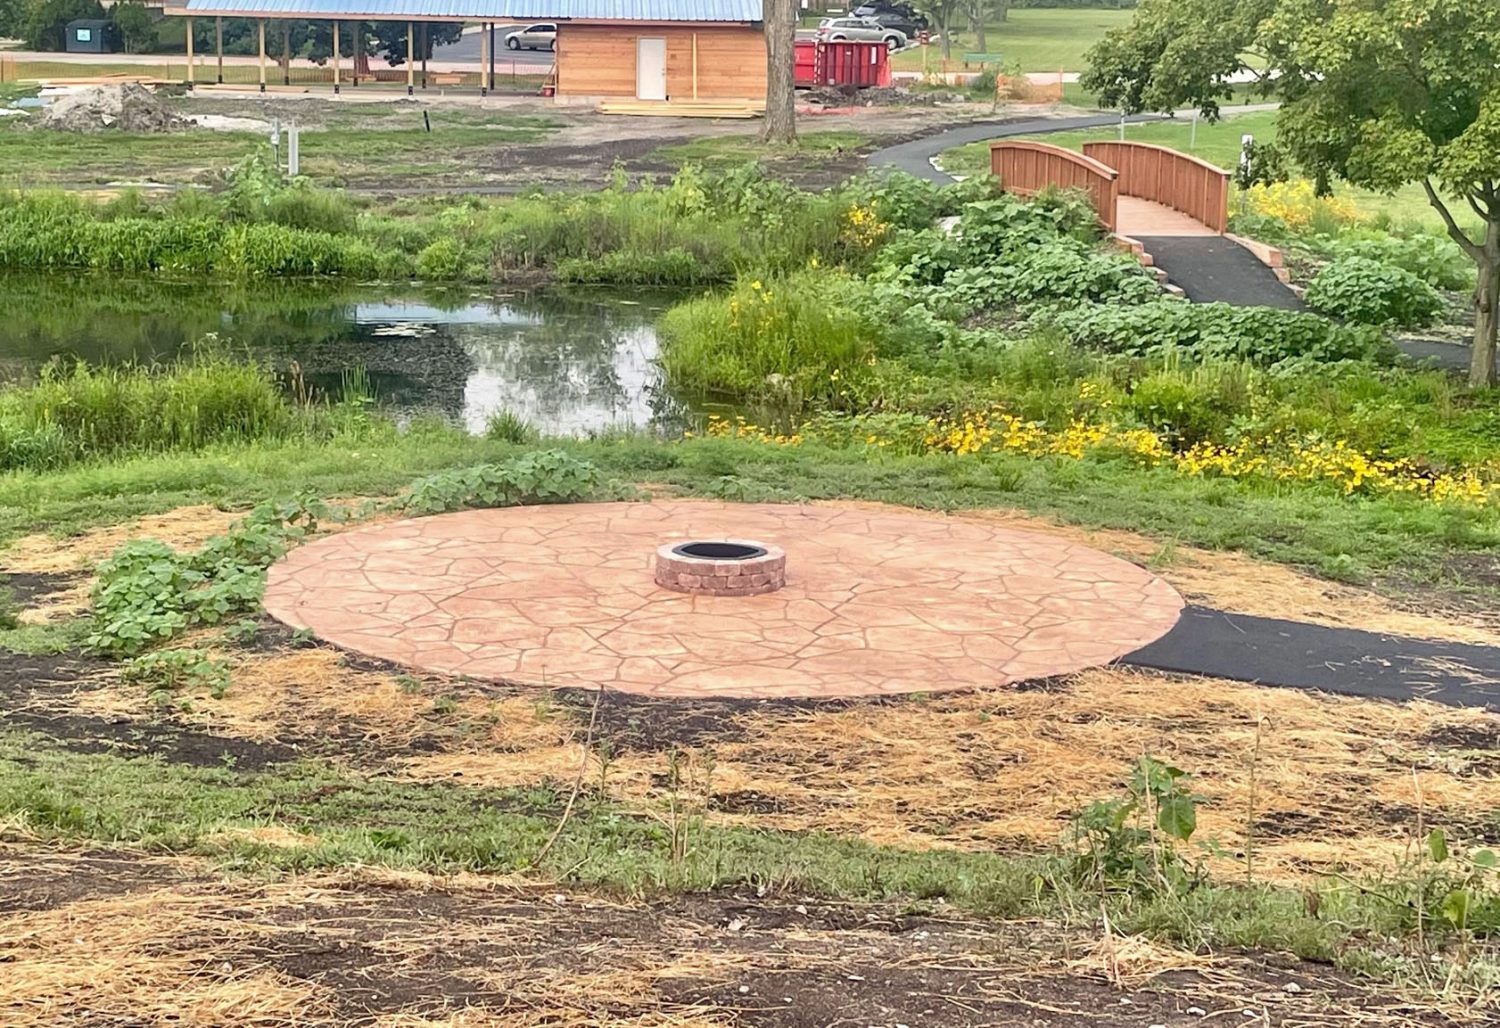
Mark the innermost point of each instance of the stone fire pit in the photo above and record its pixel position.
(721, 567)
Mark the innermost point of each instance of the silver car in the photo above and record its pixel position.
(533, 37)
(863, 30)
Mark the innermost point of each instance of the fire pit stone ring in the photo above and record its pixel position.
(721, 567)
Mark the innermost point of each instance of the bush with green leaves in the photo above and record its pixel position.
(1368, 292)
(546, 476)
(1436, 260)
(148, 592)
(164, 672)
(1214, 331)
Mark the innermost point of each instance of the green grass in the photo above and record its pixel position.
(1361, 540)
(1219, 143)
(1035, 39)
(110, 800)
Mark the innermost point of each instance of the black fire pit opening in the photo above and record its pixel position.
(719, 551)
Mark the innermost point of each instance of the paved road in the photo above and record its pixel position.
(466, 51)
(915, 156)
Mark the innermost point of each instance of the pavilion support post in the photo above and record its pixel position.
(484, 59)
(335, 57)
(410, 57)
(260, 26)
(219, 47)
(488, 71)
(425, 29)
(356, 48)
(190, 51)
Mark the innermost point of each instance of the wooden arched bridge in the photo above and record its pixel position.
(1170, 208)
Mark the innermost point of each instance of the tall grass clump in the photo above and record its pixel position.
(787, 342)
(77, 411)
(52, 232)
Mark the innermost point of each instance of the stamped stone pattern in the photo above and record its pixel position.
(876, 602)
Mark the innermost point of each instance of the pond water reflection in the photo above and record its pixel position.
(568, 362)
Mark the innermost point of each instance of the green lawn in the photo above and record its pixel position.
(1218, 143)
(1035, 39)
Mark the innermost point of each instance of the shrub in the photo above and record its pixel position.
(147, 592)
(1434, 259)
(168, 671)
(548, 476)
(1298, 205)
(790, 342)
(1365, 291)
(1207, 331)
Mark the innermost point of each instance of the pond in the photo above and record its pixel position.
(570, 362)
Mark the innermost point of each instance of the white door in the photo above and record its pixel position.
(650, 69)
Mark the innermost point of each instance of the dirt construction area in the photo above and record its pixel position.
(389, 145)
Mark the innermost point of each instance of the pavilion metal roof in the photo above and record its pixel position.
(483, 10)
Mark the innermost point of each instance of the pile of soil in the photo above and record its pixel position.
(128, 107)
(879, 96)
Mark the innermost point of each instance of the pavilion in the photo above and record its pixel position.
(678, 52)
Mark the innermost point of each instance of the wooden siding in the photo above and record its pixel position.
(598, 60)
(1165, 176)
(1026, 168)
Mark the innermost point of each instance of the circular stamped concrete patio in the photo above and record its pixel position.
(875, 603)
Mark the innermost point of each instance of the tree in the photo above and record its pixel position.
(46, 21)
(12, 18)
(940, 14)
(388, 39)
(781, 72)
(1380, 93)
(134, 23)
(980, 13)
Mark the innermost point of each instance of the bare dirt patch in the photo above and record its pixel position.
(376, 948)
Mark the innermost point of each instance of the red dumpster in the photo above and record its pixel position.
(842, 62)
(805, 75)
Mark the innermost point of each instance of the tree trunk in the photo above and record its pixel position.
(943, 19)
(977, 24)
(1002, 11)
(286, 53)
(1486, 312)
(781, 72)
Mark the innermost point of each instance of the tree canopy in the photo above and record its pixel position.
(1379, 93)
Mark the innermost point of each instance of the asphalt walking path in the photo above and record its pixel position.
(1220, 644)
(1348, 661)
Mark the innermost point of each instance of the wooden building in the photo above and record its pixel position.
(651, 52)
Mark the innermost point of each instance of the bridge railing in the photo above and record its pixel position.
(1168, 177)
(1026, 168)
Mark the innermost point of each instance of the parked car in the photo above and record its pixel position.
(894, 9)
(899, 22)
(533, 37)
(861, 30)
